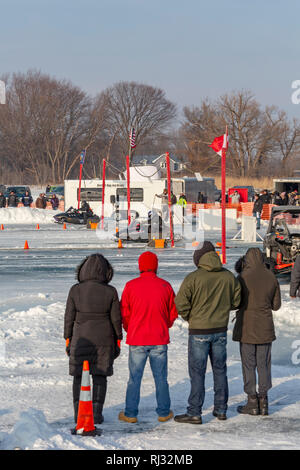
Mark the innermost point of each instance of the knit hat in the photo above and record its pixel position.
(205, 248)
(148, 262)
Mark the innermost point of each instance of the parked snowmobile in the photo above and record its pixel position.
(80, 216)
(282, 240)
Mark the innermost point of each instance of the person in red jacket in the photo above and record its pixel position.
(148, 311)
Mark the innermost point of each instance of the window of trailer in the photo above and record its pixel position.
(136, 194)
(90, 194)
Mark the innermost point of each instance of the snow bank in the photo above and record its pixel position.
(31, 429)
(288, 317)
(26, 215)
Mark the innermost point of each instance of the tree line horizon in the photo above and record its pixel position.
(47, 122)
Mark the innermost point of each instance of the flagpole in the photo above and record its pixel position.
(82, 157)
(103, 192)
(169, 198)
(128, 161)
(223, 178)
(128, 188)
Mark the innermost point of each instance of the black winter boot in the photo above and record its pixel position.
(97, 411)
(263, 405)
(99, 393)
(76, 405)
(251, 407)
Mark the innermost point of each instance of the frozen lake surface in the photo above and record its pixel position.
(36, 410)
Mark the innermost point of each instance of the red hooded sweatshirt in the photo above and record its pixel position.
(147, 306)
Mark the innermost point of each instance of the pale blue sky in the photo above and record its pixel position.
(192, 49)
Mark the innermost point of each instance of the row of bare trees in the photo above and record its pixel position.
(46, 123)
(261, 141)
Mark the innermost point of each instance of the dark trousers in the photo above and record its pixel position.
(99, 393)
(256, 358)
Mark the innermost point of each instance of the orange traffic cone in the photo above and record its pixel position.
(2, 227)
(37, 226)
(65, 226)
(26, 246)
(85, 421)
(120, 243)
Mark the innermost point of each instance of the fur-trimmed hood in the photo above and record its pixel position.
(95, 268)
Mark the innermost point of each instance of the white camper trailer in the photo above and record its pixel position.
(142, 194)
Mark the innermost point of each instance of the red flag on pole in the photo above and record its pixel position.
(220, 143)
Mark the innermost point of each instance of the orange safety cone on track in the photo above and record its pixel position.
(120, 243)
(2, 227)
(26, 246)
(85, 421)
(37, 226)
(65, 226)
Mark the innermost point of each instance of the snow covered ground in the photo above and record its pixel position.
(36, 390)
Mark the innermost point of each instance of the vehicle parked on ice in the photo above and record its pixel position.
(18, 190)
(282, 240)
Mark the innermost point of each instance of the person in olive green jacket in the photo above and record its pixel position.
(205, 299)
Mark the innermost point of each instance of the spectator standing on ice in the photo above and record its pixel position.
(205, 299)
(148, 311)
(254, 328)
(27, 199)
(257, 209)
(164, 203)
(2, 200)
(266, 197)
(93, 329)
(12, 200)
(48, 188)
(41, 202)
(284, 200)
(235, 198)
(182, 200)
(54, 202)
(295, 279)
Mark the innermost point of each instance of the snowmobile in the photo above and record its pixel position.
(76, 216)
(143, 230)
(282, 240)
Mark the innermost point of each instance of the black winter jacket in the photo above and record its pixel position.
(2, 201)
(93, 319)
(12, 200)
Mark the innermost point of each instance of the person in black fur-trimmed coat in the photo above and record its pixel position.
(93, 328)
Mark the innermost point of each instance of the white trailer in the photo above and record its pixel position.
(143, 194)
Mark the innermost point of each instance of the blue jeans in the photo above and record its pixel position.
(200, 347)
(158, 357)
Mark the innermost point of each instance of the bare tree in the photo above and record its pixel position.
(143, 107)
(46, 123)
(258, 138)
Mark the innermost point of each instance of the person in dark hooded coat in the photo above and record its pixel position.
(254, 328)
(93, 328)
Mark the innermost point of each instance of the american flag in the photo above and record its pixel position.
(132, 138)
